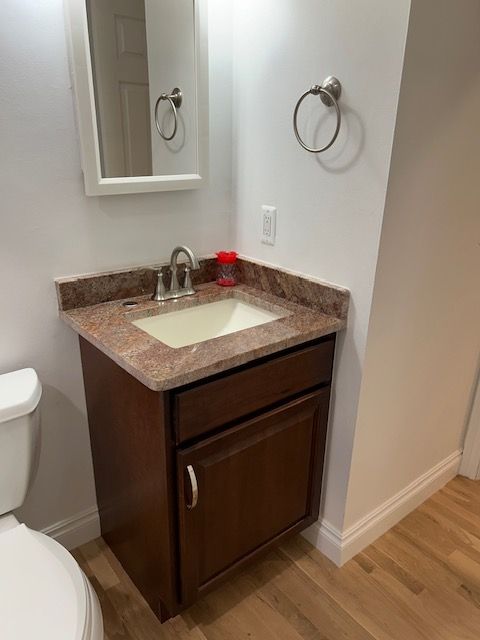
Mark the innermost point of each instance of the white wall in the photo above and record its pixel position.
(49, 228)
(330, 207)
(424, 340)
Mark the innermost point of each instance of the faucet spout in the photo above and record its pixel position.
(186, 290)
(176, 291)
(194, 263)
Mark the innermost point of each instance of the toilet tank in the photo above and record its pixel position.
(20, 393)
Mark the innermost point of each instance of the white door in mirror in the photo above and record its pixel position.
(120, 65)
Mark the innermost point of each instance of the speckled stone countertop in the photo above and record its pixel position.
(108, 326)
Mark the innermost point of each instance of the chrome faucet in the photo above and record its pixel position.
(175, 291)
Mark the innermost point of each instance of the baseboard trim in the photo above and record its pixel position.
(327, 539)
(342, 546)
(77, 530)
(337, 545)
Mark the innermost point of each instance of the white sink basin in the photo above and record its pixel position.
(204, 322)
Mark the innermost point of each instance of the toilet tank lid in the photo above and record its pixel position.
(20, 393)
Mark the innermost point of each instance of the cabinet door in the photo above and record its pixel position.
(241, 490)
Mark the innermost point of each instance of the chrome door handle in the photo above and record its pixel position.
(194, 486)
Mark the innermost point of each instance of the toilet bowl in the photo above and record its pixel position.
(43, 592)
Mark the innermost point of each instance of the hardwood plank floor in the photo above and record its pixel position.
(420, 581)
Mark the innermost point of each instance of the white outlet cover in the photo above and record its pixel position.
(269, 224)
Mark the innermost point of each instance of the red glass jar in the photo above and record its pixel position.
(227, 268)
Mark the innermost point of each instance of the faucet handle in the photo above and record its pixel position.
(159, 294)
(174, 286)
(187, 283)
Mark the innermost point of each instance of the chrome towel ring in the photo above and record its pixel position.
(329, 93)
(175, 99)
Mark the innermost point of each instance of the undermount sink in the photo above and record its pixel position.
(203, 322)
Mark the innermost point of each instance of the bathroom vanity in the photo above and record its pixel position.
(205, 455)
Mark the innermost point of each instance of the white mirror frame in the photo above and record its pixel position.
(82, 74)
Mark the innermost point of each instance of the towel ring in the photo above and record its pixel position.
(329, 93)
(175, 99)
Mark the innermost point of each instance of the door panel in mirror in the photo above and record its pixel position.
(118, 46)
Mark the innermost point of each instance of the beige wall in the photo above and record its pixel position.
(424, 337)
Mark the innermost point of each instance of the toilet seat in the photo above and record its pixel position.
(43, 592)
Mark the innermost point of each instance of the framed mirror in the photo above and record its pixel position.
(140, 74)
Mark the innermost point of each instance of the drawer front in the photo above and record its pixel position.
(233, 396)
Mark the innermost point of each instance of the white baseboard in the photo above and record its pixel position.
(77, 530)
(342, 546)
(327, 539)
(337, 545)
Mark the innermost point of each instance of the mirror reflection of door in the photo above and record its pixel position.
(141, 49)
(118, 41)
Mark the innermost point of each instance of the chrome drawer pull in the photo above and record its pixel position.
(194, 485)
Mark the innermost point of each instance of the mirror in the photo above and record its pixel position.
(140, 73)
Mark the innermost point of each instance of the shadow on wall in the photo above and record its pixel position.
(340, 414)
(470, 466)
(349, 146)
(65, 462)
(318, 129)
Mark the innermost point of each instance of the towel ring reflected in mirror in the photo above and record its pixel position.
(175, 100)
(329, 93)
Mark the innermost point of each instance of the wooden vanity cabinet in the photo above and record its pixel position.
(195, 482)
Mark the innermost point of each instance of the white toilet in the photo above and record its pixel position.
(44, 595)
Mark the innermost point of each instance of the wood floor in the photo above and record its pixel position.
(419, 581)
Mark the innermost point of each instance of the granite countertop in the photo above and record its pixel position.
(108, 326)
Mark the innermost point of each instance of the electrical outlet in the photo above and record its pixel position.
(269, 224)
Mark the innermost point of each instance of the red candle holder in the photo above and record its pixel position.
(227, 268)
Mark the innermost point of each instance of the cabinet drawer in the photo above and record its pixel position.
(233, 396)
